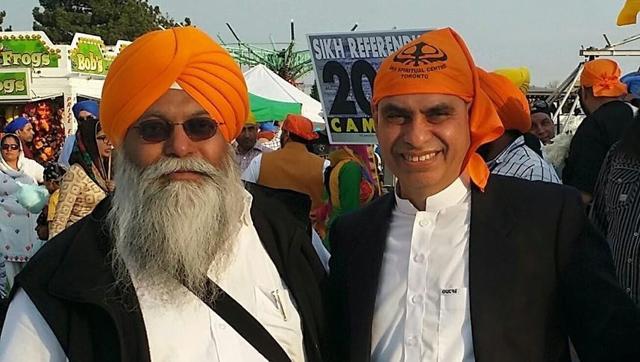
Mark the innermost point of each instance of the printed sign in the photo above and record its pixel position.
(88, 56)
(346, 65)
(14, 84)
(30, 51)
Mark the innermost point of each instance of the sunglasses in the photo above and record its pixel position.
(102, 138)
(157, 130)
(11, 147)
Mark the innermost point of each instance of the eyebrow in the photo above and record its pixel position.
(389, 108)
(438, 109)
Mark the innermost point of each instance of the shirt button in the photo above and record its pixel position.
(222, 326)
(412, 341)
(417, 299)
(628, 290)
(636, 234)
(630, 261)
(418, 258)
(423, 223)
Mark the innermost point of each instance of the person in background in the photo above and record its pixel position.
(52, 175)
(24, 130)
(632, 80)
(81, 111)
(18, 239)
(616, 207)
(542, 125)
(269, 135)
(509, 155)
(348, 181)
(245, 145)
(87, 182)
(608, 116)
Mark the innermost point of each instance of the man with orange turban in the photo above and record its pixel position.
(181, 263)
(509, 155)
(608, 116)
(458, 264)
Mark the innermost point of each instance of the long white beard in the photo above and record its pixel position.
(168, 232)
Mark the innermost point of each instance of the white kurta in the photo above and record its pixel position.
(422, 304)
(189, 331)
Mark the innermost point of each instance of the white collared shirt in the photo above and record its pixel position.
(189, 331)
(422, 304)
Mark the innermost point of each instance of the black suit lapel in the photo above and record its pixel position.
(290, 249)
(364, 273)
(490, 268)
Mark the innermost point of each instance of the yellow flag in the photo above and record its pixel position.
(629, 12)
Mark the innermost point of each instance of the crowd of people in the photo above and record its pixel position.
(175, 226)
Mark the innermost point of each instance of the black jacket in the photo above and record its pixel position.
(70, 281)
(593, 139)
(538, 273)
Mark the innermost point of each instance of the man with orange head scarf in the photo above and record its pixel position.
(181, 263)
(510, 155)
(608, 116)
(450, 266)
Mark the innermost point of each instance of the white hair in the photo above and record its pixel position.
(167, 231)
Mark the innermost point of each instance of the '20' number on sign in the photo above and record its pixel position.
(359, 70)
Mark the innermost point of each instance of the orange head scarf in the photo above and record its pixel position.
(510, 102)
(603, 76)
(438, 62)
(147, 69)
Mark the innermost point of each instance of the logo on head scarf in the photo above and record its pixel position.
(420, 54)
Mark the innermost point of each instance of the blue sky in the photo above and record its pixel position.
(544, 35)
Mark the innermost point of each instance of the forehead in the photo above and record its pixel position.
(173, 104)
(421, 102)
(10, 140)
(540, 116)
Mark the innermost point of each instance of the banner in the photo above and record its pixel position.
(88, 55)
(346, 65)
(14, 84)
(30, 50)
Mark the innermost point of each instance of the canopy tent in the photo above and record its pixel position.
(272, 97)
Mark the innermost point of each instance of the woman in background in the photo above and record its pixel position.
(86, 182)
(18, 239)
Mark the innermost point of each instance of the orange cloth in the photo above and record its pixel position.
(629, 13)
(146, 69)
(300, 126)
(510, 102)
(603, 75)
(438, 62)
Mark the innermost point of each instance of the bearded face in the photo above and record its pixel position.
(168, 231)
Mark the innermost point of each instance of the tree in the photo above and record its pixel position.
(110, 19)
(2, 15)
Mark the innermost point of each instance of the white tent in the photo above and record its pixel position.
(264, 83)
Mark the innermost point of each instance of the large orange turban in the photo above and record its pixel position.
(148, 68)
(603, 75)
(438, 62)
(510, 102)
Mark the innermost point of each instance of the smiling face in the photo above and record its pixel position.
(424, 139)
(542, 127)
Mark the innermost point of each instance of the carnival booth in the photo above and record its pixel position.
(42, 81)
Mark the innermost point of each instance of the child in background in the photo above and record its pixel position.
(52, 175)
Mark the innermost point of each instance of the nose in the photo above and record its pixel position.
(418, 131)
(179, 145)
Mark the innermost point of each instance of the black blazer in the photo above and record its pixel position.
(71, 283)
(538, 274)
